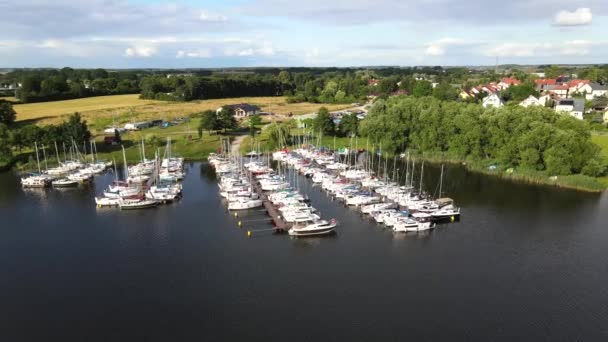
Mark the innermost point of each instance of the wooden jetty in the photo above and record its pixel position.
(280, 226)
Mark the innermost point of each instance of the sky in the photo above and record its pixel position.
(246, 33)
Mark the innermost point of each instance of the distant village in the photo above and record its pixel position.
(563, 94)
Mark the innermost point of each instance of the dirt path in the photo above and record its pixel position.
(236, 144)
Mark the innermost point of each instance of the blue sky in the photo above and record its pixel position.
(233, 33)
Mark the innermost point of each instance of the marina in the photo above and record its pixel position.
(191, 257)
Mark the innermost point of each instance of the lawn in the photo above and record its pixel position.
(105, 111)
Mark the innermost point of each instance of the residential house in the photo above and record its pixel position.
(530, 101)
(373, 82)
(546, 98)
(492, 100)
(506, 82)
(597, 90)
(573, 106)
(241, 110)
(464, 95)
(399, 92)
(559, 90)
(578, 86)
(542, 84)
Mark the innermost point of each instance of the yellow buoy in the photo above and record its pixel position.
(452, 218)
(249, 233)
(239, 223)
(236, 214)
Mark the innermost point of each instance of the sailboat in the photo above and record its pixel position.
(37, 180)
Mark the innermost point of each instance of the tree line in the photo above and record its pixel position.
(534, 138)
(67, 83)
(201, 87)
(74, 129)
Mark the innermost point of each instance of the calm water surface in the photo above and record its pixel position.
(525, 263)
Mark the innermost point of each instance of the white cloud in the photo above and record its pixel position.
(435, 50)
(545, 50)
(198, 53)
(140, 51)
(209, 17)
(581, 16)
(439, 47)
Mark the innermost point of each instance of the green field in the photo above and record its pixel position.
(602, 141)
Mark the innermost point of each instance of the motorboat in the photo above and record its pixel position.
(106, 202)
(130, 204)
(64, 183)
(314, 228)
(370, 208)
(243, 203)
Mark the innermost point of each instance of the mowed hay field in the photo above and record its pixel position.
(104, 111)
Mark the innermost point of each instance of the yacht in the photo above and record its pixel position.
(64, 183)
(314, 228)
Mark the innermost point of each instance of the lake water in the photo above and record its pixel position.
(524, 263)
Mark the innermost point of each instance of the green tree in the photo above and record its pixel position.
(422, 88)
(77, 129)
(254, 120)
(209, 122)
(349, 125)
(7, 113)
(226, 120)
(445, 92)
(6, 153)
(323, 122)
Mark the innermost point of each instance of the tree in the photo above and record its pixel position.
(226, 120)
(6, 153)
(76, 128)
(254, 120)
(445, 92)
(518, 93)
(422, 88)
(7, 113)
(209, 122)
(349, 125)
(323, 122)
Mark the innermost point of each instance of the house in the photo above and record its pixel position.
(542, 84)
(530, 101)
(241, 110)
(573, 106)
(464, 95)
(492, 100)
(606, 117)
(545, 98)
(559, 90)
(577, 86)
(373, 82)
(399, 92)
(596, 90)
(506, 82)
(138, 125)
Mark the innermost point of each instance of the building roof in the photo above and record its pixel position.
(597, 86)
(244, 106)
(578, 105)
(510, 81)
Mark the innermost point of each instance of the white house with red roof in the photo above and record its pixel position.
(506, 82)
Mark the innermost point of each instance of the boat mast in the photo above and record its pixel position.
(46, 165)
(124, 157)
(441, 181)
(57, 153)
(37, 157)
(421, 174)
